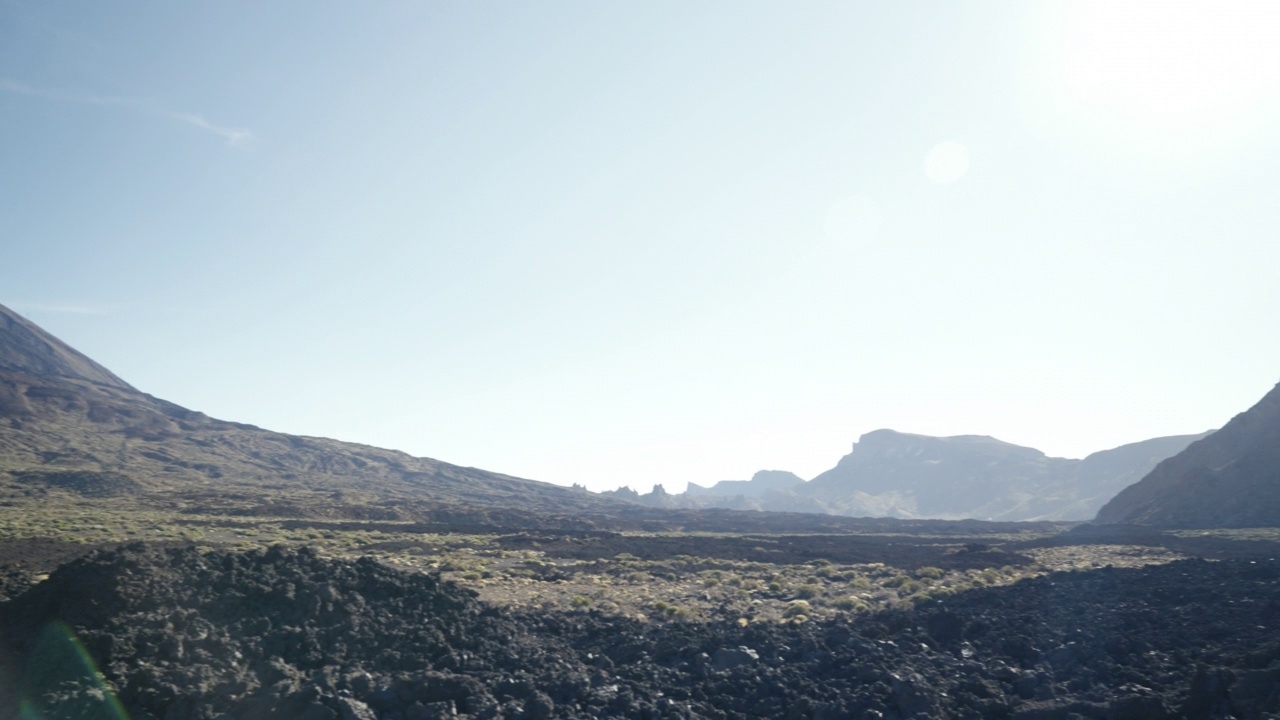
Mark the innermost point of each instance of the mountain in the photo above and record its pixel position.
(71, 428)
(1228, 479)
(922, 476)
(26, 348)
(907, 475)
(895, 474)
(758, 485)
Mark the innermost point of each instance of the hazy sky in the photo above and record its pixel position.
(625, 243)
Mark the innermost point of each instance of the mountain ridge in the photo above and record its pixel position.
(907, 475)
(29, 348)
(1228, 479)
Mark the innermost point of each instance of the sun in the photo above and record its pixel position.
(1172, 62)
(946, 163)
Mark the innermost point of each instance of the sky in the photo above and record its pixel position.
(662, 242)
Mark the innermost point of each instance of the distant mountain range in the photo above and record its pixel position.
(1228, 479)
(71, 430)
(902, 475)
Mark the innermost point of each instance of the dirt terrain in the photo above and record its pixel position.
(193, 633)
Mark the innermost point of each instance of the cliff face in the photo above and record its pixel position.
(1228, 479)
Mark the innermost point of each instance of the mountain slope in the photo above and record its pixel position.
(70, 426)
(27, 348)
(1229, 479)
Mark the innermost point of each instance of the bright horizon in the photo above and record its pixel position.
(630, 245)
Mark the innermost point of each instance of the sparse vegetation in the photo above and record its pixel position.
(538, 573)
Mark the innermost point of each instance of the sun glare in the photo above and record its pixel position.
(1172, 63)
(946, 163)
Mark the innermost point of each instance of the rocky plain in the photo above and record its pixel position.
(189, 632)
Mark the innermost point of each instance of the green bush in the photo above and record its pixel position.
(797, 607)
(909, 587)
(851, 604)
(809, 591)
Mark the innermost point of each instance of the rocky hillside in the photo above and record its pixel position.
(893, 474)
(1229, 479)
(68, 426)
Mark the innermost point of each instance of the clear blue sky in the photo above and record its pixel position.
(628, 243)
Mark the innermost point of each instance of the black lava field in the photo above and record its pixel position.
(182, 634)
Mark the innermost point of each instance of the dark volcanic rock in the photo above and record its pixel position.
(1228, 479)
(89, 483)
(185, 634)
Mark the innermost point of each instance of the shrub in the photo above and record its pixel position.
(796, 607)
(930, 572)
(671, 610)
(580, 601)
(852, 604)
(809, 591)
(910, 586)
